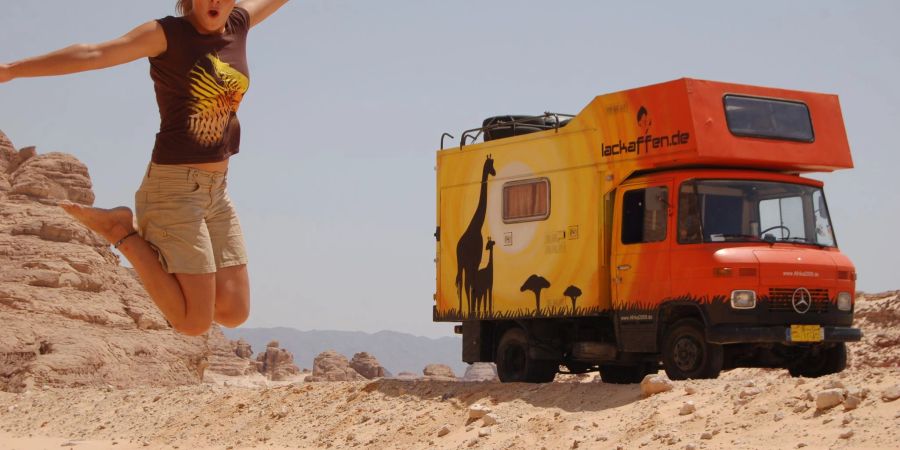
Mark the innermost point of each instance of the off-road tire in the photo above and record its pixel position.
(514, 364)
(831, 360)
(686, 353)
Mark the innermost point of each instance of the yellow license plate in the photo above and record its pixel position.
(806, 333)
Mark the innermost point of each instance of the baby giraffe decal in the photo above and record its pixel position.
(484, 284)
(469, 247)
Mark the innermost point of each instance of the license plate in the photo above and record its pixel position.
(806, 333)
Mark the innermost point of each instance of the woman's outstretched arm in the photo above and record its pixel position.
(260, 9)
(144, 41)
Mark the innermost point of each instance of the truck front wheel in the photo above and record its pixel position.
(687, 354)
(515, 365)
(825, 362)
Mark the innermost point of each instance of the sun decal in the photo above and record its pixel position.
(217, 91)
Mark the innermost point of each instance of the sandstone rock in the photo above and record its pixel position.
(367, 365)
(654, 384)
(846, 435)
(71, 315)
(687, 408)
(277, 363)
(706, 435)
(851, 402)
(223, 358)
(484, 432)
(690, 390)
(333, 366)
(489, 419)
(445, 430)
(242, 349)
(481, 371)
(749, 392)
(478, 410)
(53, 176)
(892, 393)
(829, 398)
(439, 372)
(407, 376)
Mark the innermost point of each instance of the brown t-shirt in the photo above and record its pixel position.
(200, 80)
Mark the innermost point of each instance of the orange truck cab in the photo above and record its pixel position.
(668, 225)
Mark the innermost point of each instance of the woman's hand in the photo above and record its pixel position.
(5, 73)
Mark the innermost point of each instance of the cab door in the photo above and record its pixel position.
(640, 269)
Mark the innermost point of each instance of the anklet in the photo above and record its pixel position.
(120, 241)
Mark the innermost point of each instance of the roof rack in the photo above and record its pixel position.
(499, 127)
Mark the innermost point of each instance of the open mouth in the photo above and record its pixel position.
(213, 13)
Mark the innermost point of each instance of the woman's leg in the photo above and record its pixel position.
(187, 301)
(232, 296)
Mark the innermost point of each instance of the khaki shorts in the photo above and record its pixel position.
(186, 215)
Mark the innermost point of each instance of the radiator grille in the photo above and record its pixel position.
(780, 300)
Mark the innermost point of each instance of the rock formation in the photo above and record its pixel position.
(231, 358)
(277, 364)
(333, 366)
(481, 372)
(71, 315)
(439, 372)
(367, 366)
(879, 317)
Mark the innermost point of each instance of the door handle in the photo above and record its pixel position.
(624, 267)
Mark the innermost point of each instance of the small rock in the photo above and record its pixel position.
(829, 398)
(478, 411)
(489, 419)
(779, 416)
(706, 435)
(484, 432)
(750, 392)
(892, 393)
(691, 446)
(687, 408)
(654, 384)
(833, 384)
(801, 445)
(445, 430)
(861, 393)
(851, 402)
(847, 419)
(846, 435)
(690, 390)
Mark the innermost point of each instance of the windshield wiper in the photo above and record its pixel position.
(800, 240)
(740, 236)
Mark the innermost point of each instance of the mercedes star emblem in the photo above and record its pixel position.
(802, 300)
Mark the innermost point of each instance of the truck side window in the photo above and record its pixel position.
(527, 200)
(644, 215)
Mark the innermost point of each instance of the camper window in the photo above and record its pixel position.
(526, 200)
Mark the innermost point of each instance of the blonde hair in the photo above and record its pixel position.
(184, 7)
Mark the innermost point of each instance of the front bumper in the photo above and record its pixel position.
(725, 334)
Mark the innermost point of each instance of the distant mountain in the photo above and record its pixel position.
(397, 352)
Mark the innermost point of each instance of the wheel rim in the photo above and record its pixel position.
(514, 359)
(687, 354)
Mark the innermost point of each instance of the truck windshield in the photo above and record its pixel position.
(752, 211)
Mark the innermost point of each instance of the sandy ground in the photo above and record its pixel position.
(409, 414)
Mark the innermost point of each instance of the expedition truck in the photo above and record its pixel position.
(669, 224)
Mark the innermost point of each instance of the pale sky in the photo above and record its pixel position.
(335, 183)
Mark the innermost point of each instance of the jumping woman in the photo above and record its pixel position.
(186, 244)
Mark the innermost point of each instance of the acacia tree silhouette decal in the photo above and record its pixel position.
(468, 249)
(535, 284)
(573, 293)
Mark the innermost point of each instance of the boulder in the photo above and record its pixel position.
(277, 363)
(242, 349)
(654, 384)
(367, 366)
(54, 177)
(481, 371)
(439, 372)
(333, 366)
(829, 398)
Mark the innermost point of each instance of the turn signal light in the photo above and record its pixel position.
(722, 271)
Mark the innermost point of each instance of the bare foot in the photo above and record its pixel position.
(113, 224)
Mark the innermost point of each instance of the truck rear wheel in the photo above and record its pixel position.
(828, 361)
(515, 365)
(687, 354)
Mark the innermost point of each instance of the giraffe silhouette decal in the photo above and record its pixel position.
(484, 284)
(535, 284)
(573, 293)
(469, 247)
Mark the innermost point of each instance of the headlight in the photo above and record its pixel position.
(743, 299)
(845, 301)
